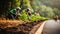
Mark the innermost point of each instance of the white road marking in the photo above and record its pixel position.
(39, 31)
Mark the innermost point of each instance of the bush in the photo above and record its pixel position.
(24, 15)
(36, 17)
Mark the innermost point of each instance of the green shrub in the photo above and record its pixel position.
(35, 17)
(24, 15)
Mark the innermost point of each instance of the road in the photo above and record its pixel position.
(49, 27)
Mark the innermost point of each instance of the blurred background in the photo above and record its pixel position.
(46, 8)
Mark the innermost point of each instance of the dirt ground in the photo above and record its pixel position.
(16, 27)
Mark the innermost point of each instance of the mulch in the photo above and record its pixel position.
(17, 28)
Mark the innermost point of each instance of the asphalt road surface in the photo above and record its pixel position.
(49, 27)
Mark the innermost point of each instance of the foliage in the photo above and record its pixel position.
(47, 12)
(24, 15)
(36, 17)
(34, 5)
(26, 4)
(57, 12)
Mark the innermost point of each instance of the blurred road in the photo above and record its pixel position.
(49, 27)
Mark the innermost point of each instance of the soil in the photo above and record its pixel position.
(11, 27)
